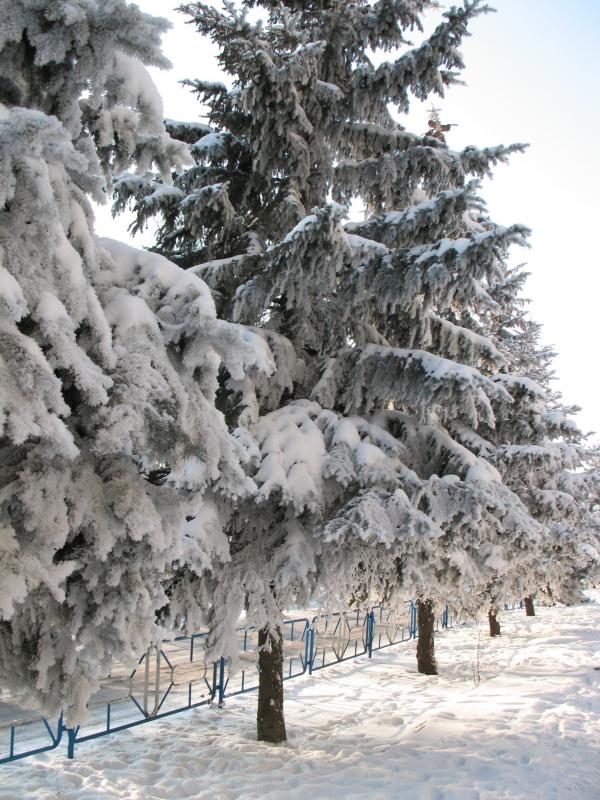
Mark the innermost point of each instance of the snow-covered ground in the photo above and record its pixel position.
(529, 728)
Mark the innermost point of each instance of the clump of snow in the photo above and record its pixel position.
(303, 225)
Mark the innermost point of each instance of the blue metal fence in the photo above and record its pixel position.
(174, 676)
(513, 606)
(29, 736)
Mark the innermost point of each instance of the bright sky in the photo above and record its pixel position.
(532, 74)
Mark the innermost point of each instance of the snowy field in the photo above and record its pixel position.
(529, 728)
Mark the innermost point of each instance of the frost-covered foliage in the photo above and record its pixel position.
(540, 452)
(109, 359)
(363, 443)
(365, 507)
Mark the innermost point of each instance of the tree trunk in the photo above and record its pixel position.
(494, 622)
(426, 663)
(529, 607)
(270, 722)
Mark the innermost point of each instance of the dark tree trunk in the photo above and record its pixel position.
(494, 622)
(270, 722)
(529, 607)
(426, 663)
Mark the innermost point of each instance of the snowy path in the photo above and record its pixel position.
(375, 729)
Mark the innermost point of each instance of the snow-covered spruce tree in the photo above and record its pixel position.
(364, 490)
(540, 452)
(109, 359)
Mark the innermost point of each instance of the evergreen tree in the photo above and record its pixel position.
(368, 486)
(540, 452)
(109, 360)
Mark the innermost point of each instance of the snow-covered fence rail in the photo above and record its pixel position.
(175, 677)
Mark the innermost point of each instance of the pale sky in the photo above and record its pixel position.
(533, 75)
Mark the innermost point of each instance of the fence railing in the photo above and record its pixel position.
(174, 677)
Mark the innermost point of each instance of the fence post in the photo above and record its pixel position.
(370, 632)
(445, 617)
(221, 682)
(413, 619)
(71, 737)
(311, 648)
(215, 685)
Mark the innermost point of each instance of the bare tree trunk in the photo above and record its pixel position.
(494, 622)
(529, 607)
(270, 722)
(426, 663)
